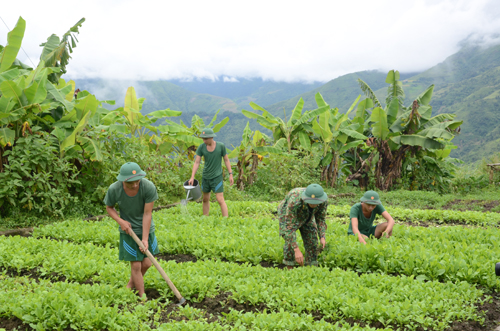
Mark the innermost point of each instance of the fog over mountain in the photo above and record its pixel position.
(281, 41)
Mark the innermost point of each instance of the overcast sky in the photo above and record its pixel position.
(275, 40)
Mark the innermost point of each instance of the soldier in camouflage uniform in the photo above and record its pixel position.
(303, 209)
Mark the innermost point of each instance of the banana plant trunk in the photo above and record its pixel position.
(334, 170)
(253, 171)
(389, 165)
(240, 182)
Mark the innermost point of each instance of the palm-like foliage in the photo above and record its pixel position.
(400, 132)
(56, 52)
(367, 90)
(294, 130)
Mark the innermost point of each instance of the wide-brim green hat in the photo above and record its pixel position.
(314, 195)
(130, 172)
(207, 133)
(371, 198)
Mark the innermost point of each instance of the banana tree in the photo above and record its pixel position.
(131, 119)
(56, 52)
(400, 132)
(29, 100)
(184, 139)
(336, 135)
(252, 149)
(294, 130)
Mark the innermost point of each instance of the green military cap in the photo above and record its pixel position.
(207, 133)
(130, 172)
(314, 195)
(371, 198)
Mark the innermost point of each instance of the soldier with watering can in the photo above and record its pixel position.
(213, 152)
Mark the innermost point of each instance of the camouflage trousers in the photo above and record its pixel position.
(309, 233)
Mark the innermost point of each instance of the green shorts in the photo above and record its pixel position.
(370, 232)
(129, 250)
(213, 184)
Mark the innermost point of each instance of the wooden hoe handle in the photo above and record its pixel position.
(158, 267)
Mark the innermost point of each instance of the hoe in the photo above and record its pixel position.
(160, 270)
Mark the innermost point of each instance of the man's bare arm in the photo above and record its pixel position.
(196, 165)
(390, 222)
(126, 226)
(229, 169)
(355, 230)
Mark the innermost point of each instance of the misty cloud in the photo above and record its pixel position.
(274, 40)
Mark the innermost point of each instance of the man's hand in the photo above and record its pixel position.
(126, 227)
(299, 257)
(146, 245)
(323, 243)
(231, 180)
(191, 181)
(361, 238)
(387, 233)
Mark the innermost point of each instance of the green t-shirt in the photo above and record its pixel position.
(364, 224)
(132, 208)
(213, 160)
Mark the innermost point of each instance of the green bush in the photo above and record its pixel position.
(167, 172)
(281, 173)
(35, 179)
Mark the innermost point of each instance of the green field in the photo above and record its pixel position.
(435, 273)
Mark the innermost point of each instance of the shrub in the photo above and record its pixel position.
(36, 179)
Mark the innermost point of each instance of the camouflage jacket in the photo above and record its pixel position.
(293, 213)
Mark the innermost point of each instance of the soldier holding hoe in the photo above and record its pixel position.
(303, 209)
(363, 214)
(135, 196)
(212, 179)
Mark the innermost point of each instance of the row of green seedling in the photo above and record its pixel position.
(337, 294)
(434, 253)
(44, 305)
(250, 208)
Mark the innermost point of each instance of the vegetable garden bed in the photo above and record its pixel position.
(435, 278)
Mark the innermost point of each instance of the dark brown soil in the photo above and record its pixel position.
(464, 205)
(25, 232)
(36, 274)
(14, 323)
(491, 312)
(213, 308)
(179, 258)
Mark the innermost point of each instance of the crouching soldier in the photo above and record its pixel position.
(135, 196)
(363, 214)
(303, 209)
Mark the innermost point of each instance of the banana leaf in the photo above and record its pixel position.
(379, 119)
(14, 41)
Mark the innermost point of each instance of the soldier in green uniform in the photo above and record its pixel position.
(363, 214)
(212, 180)
(303, 209)
(135, 196)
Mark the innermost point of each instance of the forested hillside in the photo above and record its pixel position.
(243, 90)
(467, 84)
(339, 92)
(159, 95)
